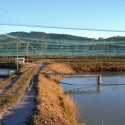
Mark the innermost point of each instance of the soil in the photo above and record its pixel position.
(9, 85)
(23, 110)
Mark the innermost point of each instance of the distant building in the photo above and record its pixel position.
(20, 60)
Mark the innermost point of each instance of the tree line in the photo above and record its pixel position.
(43, 35)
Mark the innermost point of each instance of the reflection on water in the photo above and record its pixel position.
(4, 72)
(104, 104)
(1, 79)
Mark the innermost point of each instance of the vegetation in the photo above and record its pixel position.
(53, 108)
(98, 67)
(83, 64)
(114, 38)
(94, 64)
(25, 66)
(41, 35)
(58, 67)
(6, 81)
(18, 88)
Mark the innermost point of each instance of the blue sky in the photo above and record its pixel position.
(93, 14)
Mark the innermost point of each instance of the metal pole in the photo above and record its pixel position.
(34, 55)
(27, 51)
(17, 54)
(99, 79)
(96, 56)
(99, 89)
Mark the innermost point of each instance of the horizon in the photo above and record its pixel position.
(66, 34)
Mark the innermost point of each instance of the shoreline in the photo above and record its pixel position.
(80, 64)
(53, 106)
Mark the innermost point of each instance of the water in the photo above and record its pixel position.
(5, 71)
(98, 106)
(1, 79)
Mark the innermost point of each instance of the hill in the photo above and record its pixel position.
(41, 35)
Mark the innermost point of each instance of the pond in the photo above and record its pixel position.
(98, 105)
(1, 79)
(4, 71)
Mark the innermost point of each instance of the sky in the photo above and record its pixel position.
(83, 14)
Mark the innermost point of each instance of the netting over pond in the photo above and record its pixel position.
(60, 47)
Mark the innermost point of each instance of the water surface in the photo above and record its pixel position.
(98, 106)
(5, 71)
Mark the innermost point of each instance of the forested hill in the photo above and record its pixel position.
(114, 38)
(49, 35)
(41, 35)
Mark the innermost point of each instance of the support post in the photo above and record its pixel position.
(17, 55)
(27, 51)
(99, 89)
(99, 80)
(32, 55)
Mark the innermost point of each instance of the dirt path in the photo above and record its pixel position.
(24, 109)
(10, 84)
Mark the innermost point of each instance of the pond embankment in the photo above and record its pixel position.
(54, 107)
(94, 64)
(99, 67)
(17, 102)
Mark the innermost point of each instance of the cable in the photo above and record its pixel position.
(68, 28)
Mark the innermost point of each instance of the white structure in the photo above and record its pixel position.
(20, 60)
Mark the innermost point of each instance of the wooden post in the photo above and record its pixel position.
(99, 80)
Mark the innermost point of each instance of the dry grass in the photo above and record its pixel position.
(98, 67)
(18, 88)
(95, 64)
(54, 107)
(58, 67)
(25, 66)
(4, 83)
